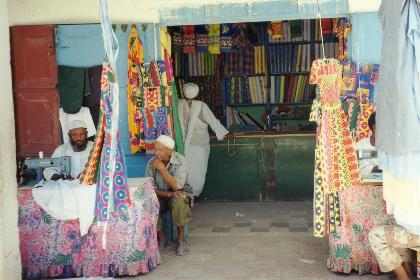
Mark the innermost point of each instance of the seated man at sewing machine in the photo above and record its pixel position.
(78, 149)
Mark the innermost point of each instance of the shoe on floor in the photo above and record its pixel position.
(180, 249)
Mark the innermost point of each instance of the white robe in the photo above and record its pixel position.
(195, 121)
(68, 199)
(78, 160)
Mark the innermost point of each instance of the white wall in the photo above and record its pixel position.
(10, 267)
(362, 6)
(23, 12)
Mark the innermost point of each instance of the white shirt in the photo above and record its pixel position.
(78, 160)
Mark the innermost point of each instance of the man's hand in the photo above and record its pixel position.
(57, 177)
(179, 194)
(157, 164)
(229, 136)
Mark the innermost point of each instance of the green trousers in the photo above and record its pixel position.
(180, 209)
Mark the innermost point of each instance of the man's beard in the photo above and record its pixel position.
(78, 147)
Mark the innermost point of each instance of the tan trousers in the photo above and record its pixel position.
(180, 209)
(391, 246)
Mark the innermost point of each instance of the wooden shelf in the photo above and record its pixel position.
(244, 75)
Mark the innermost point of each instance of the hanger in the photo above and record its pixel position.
(320, 27)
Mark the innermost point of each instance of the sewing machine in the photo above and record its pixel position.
(31, 169)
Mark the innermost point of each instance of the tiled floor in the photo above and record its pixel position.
(270, 240)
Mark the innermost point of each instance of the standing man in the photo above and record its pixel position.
(195, 117)
(169, 172)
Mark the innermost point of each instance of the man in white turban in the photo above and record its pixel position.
(169, 172)
(195, 117)
(78, 149)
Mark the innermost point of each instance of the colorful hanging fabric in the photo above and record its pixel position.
(342, 30)
(97, 168)
(362, 122)
(155, 124)
(134, 83)
(226, 37)
(214, 39)
(240, 39)
(335, 155)
(276, 30)
(177, 39)
(189, 38)
(179, 138)
(202, 38)
(350, 80)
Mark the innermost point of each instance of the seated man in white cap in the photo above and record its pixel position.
(169, 172)
(195, 117)
(78, 149)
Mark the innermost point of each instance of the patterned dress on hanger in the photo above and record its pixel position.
(336, 166)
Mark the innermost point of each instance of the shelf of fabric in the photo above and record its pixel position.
(291, 104)
(273, 118)
(290, 43)
(245, 75)
(290, 73)
(247, 104)
(326, 41)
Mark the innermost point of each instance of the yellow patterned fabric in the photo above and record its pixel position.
(336, 166)
(134, 83)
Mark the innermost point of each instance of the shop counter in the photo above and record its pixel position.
(53, 248)
(261, 166)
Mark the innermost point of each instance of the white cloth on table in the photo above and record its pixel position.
(195, 121)
(83, 115)
(67, 200)
(78, 160)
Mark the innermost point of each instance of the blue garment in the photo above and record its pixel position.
(402, 167)
(398, 95)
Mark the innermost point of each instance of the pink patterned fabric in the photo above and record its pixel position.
(362, 208)
(52, 248)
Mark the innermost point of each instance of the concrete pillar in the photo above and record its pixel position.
(10, 265)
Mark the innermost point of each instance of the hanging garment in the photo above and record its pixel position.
(336, 166)
(134, 83)
(177, 39)
(82, 115)
(363, 126)
(93, 99)
(99, 160)
(179, 138)
(276, 30)
(342, 31)
(195, 121)
(189, 38)
(72, 84)
(202, 38)
(156, 123)
(398, 98)
(226, 37)
(214, 39)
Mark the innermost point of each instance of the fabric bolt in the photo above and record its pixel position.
(189, 38)
(226, 37)
(391, 245)
(398, 86)
(336, 166)
(214, 39)
(240, 40)
(73, 84)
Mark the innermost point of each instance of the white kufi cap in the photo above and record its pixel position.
(166, 141)
(77, 124)
(191, 90)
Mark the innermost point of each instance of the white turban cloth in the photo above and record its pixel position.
(166, 141)
(191, 90)
(77, 124)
